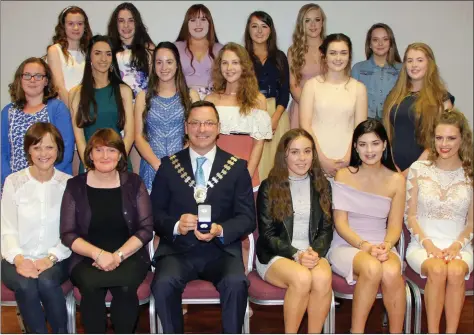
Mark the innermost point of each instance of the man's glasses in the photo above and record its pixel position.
(207, 124)
(37, 76)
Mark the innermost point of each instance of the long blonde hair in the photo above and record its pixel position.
(455, 118)
(247, 94)
(429, 101)
(299, 47)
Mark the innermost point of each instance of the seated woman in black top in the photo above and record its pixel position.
(106, 219)
(273, 75)
(295, 231)
(413, 105)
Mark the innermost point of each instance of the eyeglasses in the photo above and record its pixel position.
(206, 124)
(37, 76)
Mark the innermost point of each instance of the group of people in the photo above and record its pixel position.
(356, 153)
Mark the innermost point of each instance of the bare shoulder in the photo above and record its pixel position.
(125, 90)
(213, 97)
(52, 50)
(346, 174)
(396, 181)
(359, 86)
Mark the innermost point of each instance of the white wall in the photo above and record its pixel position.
(447, 26)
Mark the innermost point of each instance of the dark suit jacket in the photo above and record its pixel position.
(76, 212)
(275, 236)
(231, 199)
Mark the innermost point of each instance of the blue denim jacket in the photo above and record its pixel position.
(379, 82)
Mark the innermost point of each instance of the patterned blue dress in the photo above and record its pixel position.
(19, 124)
(136, 79)
(165, 131)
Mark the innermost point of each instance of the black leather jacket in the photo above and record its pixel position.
(275, 236)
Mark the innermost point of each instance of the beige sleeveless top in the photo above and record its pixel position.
(333, 115)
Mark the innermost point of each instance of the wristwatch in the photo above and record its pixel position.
(53, 258)
(120, 253)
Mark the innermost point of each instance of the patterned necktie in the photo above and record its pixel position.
(200, 179)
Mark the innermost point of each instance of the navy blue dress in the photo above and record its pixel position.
(405, 146)
(270, 82)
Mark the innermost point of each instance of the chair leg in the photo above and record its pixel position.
(408, 310)
(152, 314)
(330, 322)
(159, 325)
(385, 318)
(20, 320)
(246, 326)
(71, 313)
(418, 305)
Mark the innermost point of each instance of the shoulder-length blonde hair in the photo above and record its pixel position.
(455, 118)
(429, 101)
(247, 94)
(17, 94)
(279, 187)
(299, 47)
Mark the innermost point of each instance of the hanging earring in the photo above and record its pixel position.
(111, 67)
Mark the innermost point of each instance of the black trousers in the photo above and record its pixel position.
(225, 271)
(94, 284)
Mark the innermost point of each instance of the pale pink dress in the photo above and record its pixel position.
(309, 71)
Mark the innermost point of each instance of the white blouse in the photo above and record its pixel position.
(257, 124)
(30, 216)
(73, 68)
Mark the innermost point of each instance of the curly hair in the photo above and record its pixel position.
(154, 83)
(141, 40)
(17, 94)
(429, 100)
(184, 35)
(247, 94)
(300, 47)
(60, 31)
(455, 118)
(279, 186)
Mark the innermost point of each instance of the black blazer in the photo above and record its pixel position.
(231, 199)
(275, 236)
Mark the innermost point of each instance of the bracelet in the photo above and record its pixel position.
(361, 242)
(100, 253)
(296, 256)
(462, 245)
(391, 245)
(423, 239)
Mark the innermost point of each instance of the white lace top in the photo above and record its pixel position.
(30, 216)
(436, 194)
(300, 188)
(257, 124)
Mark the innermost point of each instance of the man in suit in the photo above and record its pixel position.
(202, 173)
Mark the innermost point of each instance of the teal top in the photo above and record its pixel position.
(107, 115)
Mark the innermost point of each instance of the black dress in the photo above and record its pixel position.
(405, 146)
(108, 230)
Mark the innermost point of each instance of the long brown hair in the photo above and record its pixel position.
(17, 94)
(60, 31)
(455, 118)
(279, 186)
(87, 93)
(393, 56)
(247, 94)
(184, 34)
(154, 82)
(300, 47)
(429, 100)
(274, 54)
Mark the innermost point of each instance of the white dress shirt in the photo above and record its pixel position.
(30, 216)
(206, 167)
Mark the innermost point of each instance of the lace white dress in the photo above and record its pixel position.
(437, 207)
